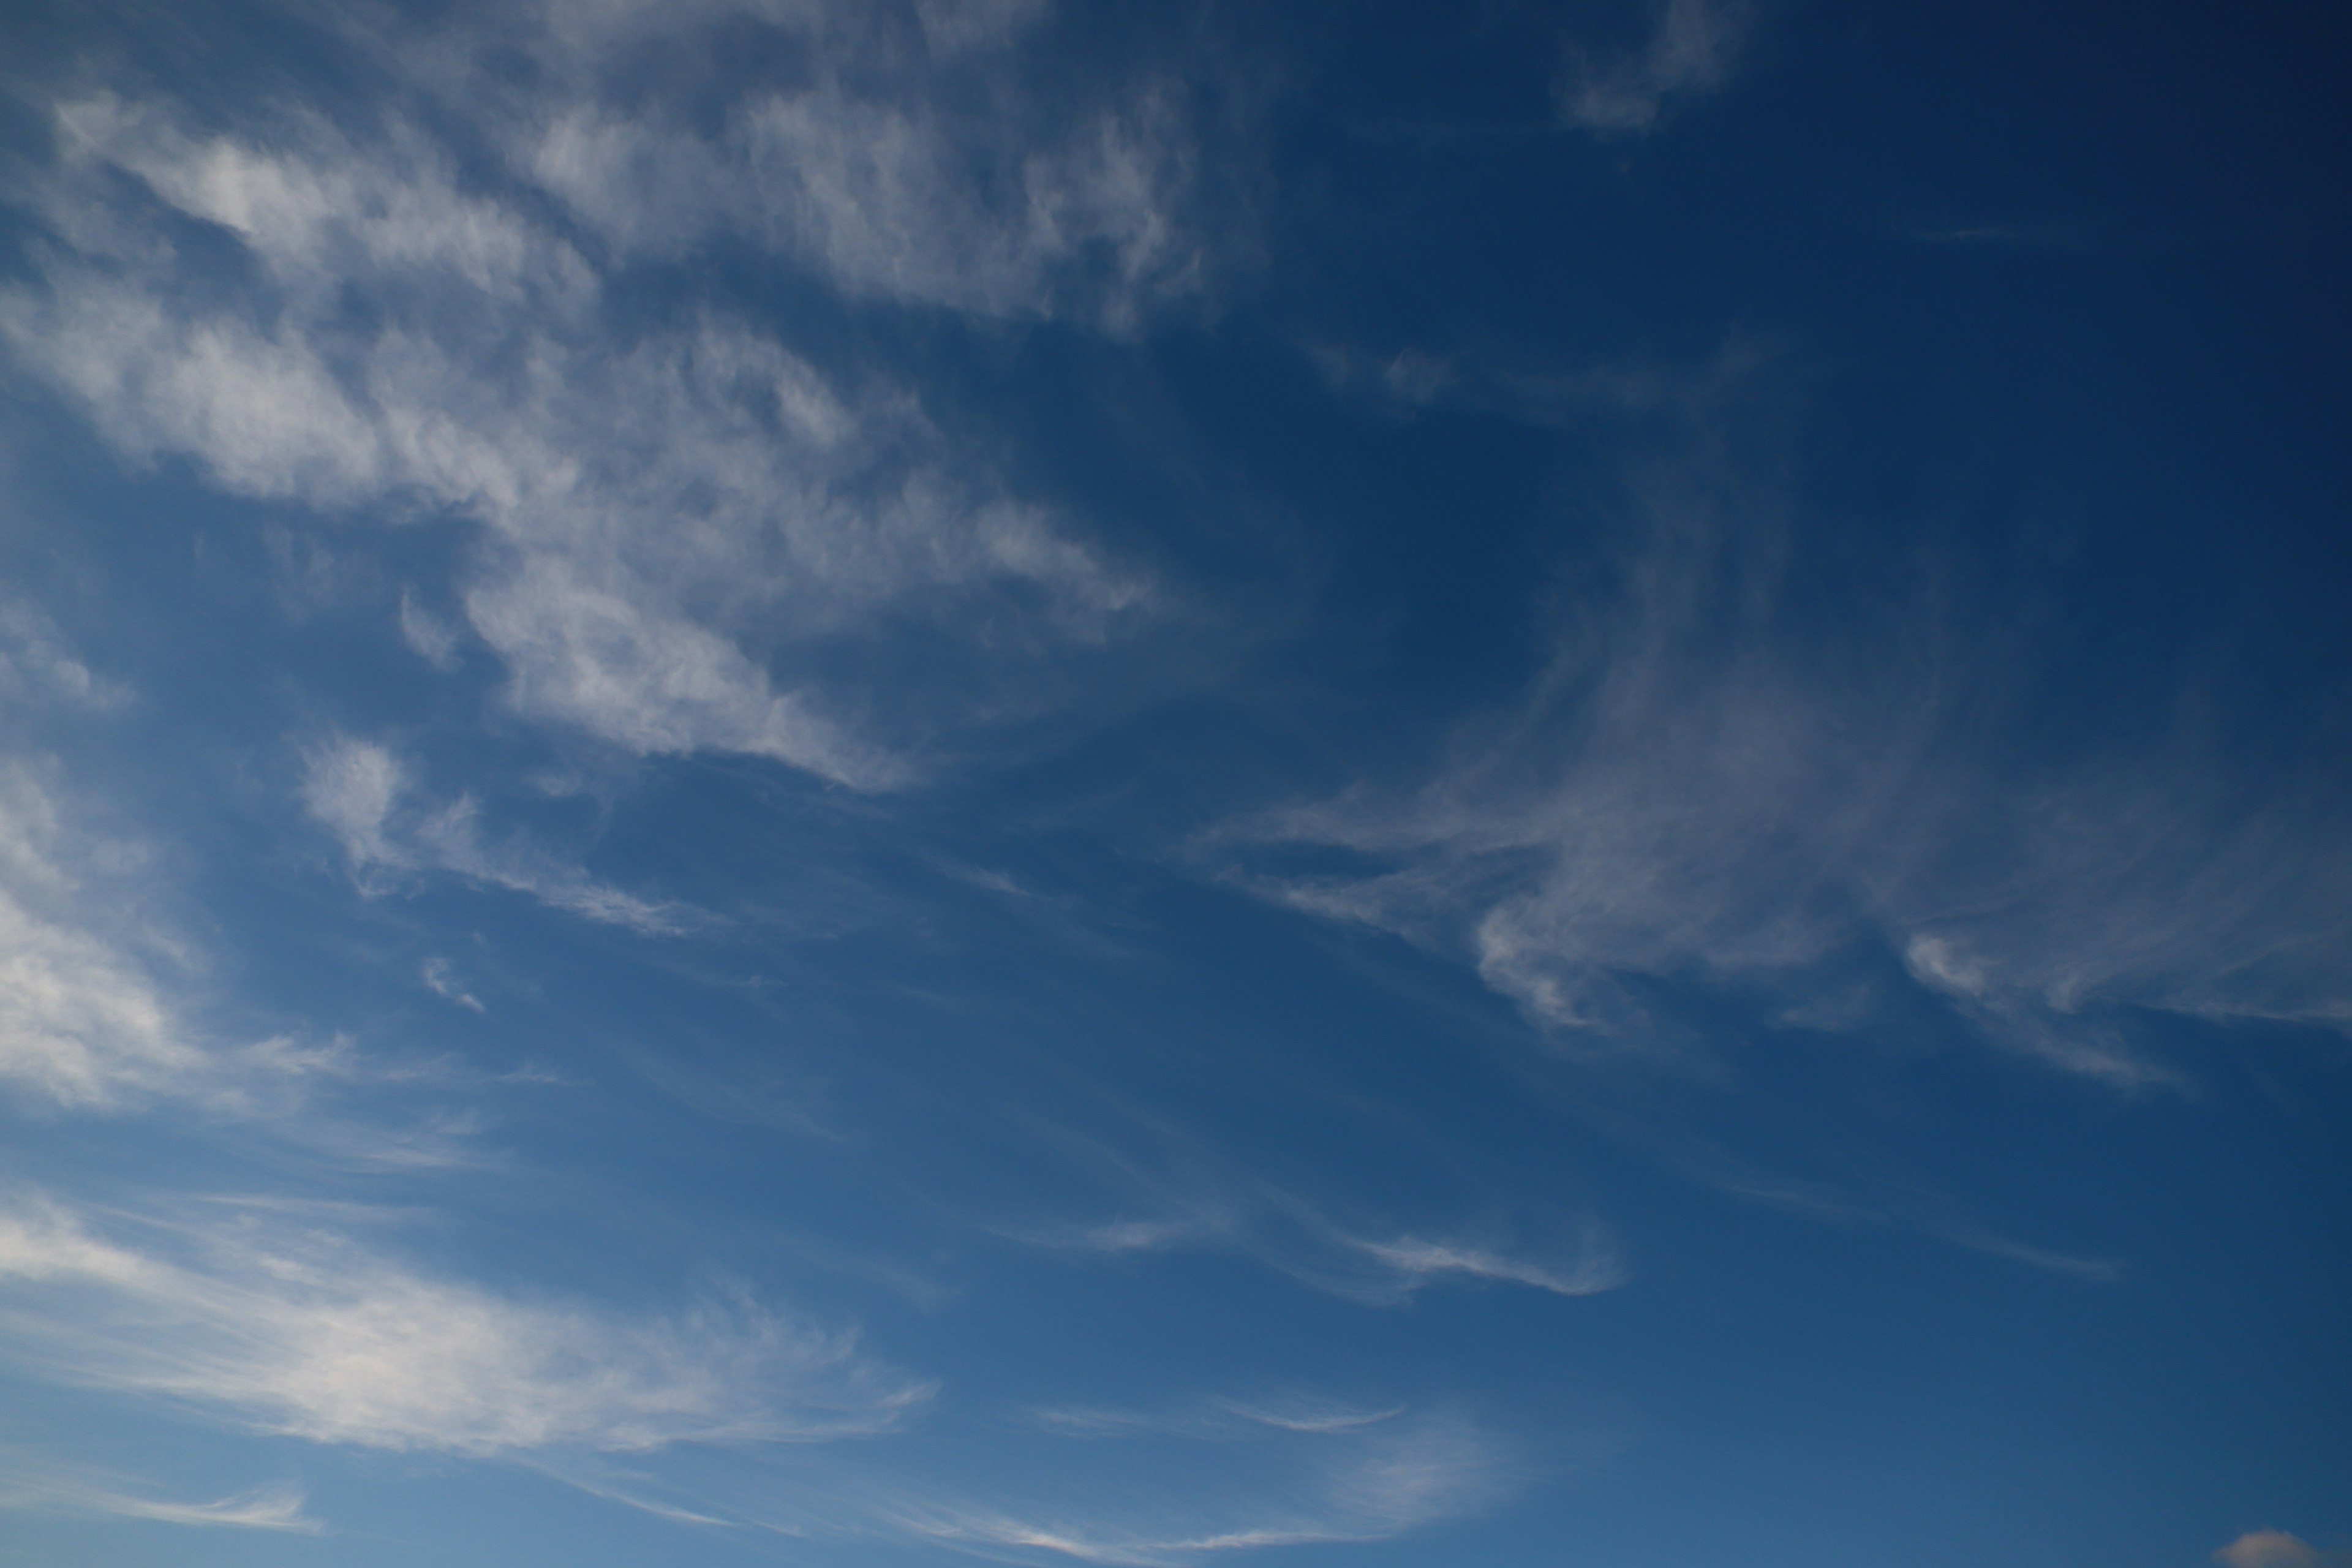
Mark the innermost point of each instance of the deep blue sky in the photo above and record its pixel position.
(980, 780)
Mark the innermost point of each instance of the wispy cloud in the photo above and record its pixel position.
(360, 791)
(678, 523)
(1218, 1418)
(83, 1022)
(1373, 1480)
(303, 1331)
(1198, 1200)
(1690, 50)
(39, 1485)
(1880, 1202)
(1697, 786)
(887, 197)
(37, 663)
(85, 1026)
(1595, 1268)
(2270, 1549)
(442, 982)
(105, 1007)
(79, 1022)
(1294, 1238)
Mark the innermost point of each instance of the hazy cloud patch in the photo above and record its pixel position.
(1688, 790)
(1691, 49)
(677, 524)
(361, 792)
(303, 1331)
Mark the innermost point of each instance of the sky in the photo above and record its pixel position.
(870, 783)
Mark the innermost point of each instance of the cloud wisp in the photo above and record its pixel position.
(1130, 1487)
(1377, 1476)
(106, 1009)
(36, 664)
(38, 1486)
(682, 529)
(360, 791)
(2273, 1549)
(876, 174)
(1101, 1485)
(1696, 788)
(304, 1332)
(1186, 1197)
(85, 1024)
(1691, 49)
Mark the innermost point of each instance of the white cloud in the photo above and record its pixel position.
(1594, 1271)
(351, 787)
(37, 663)
(2267, 1549)
(675, 516)
(360, 791)
(306, 1333)
(101, 1009)
(428, 636)
(78, 1021)
(1373, 1479)
(1219, 1419)
(36, 1484)
(953, 24)
(1197, 1200)
(886, 201)
(1690, 52)
(82, 1022)
(440, 980)
(1699, 787)
(919, 179)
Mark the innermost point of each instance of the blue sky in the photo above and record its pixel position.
(980, 781)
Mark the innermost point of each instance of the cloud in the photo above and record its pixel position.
(1701, 786)
(885, 201)
(1689, 52)
(79, 1022)
(304, 1332)
(438, 980)
(682, 526)
(359, 790)
(102, 1011)
(1373, 1479)
(82, 1022)
(919, 179)
(1292, 1239)
(1596, 1269)
(427, 636)
(1196, 1199)
(36, 663)
(2267, 1549)
(36, 1484)
(1223, 1418)
(1097, 1484)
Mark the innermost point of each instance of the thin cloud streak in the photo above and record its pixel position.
(1596, 1270)
(1195, 1198)
(37, 1487)
(1294, 1238)
(359, 790)
(1223, 1418)
(301, 1332)
(1106, 1485)
(1380, 1479)
(1690, 51)
(1687, 790)
(678, 527)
